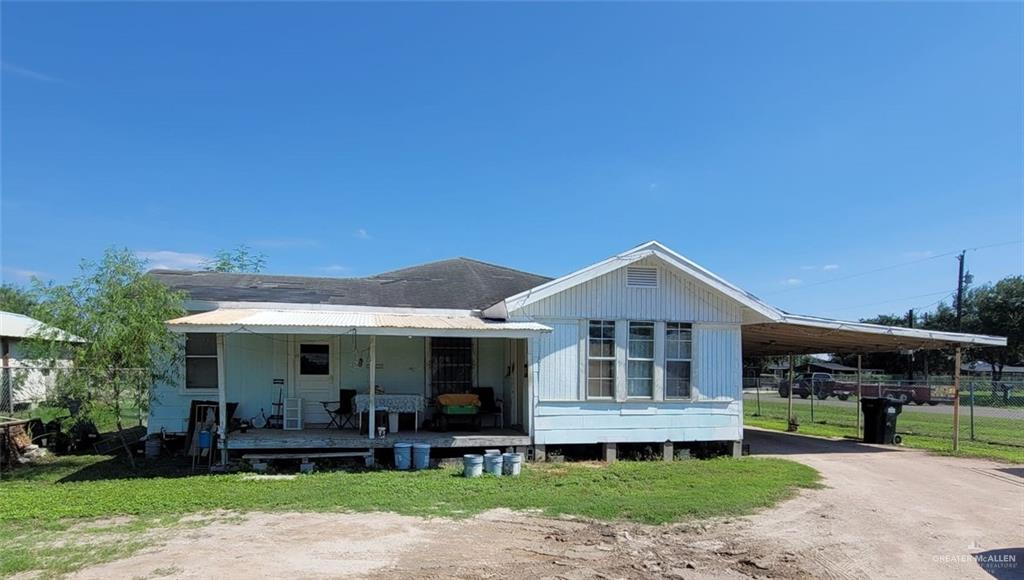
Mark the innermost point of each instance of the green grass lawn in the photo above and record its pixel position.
(45, 505)
(996, 438)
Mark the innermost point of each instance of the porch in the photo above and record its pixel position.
(351, 439)
(299, 369)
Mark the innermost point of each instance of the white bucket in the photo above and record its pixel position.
(493, 463)
(512, 464)
(472, 465)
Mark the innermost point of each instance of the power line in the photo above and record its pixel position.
(944, 294)
(893, 266)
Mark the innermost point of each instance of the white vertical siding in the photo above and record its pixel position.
(677, 298)
(717, 360)
(557, 355)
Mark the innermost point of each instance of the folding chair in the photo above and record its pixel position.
(342, 412)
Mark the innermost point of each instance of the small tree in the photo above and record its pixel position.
(119, 313)
(239, 259)
(17, 300)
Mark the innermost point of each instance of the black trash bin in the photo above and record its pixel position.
(880, 420)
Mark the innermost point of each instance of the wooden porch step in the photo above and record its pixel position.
(306, 456)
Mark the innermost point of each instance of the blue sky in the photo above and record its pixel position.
(785, 147)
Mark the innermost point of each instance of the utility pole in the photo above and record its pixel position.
(960, 293)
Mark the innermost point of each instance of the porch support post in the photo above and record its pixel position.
(956, 401)
(222, 401)
(860, 434)
(372, 425)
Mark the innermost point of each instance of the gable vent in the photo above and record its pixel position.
(639, 277)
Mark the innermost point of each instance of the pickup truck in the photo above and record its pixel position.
(821, 385)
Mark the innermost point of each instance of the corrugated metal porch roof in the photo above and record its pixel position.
(293, 321)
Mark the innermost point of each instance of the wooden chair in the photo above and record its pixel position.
(343, 411)
(489, 405)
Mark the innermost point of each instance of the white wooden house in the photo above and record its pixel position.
(643, 347)
(24, 381)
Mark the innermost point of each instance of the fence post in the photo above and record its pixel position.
(971, 387)
(757, 394)
(789, 402)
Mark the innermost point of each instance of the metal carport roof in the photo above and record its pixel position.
(796, 334)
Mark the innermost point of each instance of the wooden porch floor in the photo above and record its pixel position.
(351, 439)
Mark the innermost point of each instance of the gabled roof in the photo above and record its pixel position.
(456, 284)
(20, 326)
(760, 309)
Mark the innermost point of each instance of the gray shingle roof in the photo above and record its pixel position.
(459, 283)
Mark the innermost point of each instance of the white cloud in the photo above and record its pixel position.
(170, 260)
(28, 73)
(808, 267)
(362, 234)
(830, 267)
(21, 274)
(335, 268)
(792, 282)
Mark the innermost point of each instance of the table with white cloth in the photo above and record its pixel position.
(393, 405)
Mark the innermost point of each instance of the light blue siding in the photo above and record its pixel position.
(718, 362)
(611, 422)
(558, 368)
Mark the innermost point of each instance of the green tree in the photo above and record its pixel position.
(239, 259)
(119, 314)
(998, 309)
(17, 299)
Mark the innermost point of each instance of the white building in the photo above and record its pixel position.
(643, 347)
(29, 380)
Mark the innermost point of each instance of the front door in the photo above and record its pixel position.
(315, 371)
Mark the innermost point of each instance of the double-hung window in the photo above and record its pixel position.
(201, 360)
(601, 359)
(640, 360)
(678, 360)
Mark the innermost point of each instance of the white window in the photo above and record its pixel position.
(601, 359)
(678, 360)
(201, 360)
(640, 360)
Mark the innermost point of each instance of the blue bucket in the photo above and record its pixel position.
(205, 439)
(403, 456)
(421, 455)
(472, 465)
(493, 464)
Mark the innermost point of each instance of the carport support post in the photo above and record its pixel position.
(859, 434)
(956, 400)
(789, 401)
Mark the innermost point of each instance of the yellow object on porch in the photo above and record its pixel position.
(458, 399)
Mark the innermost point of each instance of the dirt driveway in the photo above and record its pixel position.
(884, 514)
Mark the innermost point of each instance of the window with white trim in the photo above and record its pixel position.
(314, 359)
(640, 360)
(678, 360)
(201, 360)
(601, 359)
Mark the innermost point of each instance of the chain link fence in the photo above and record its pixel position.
(34, 390)
(991, 412)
